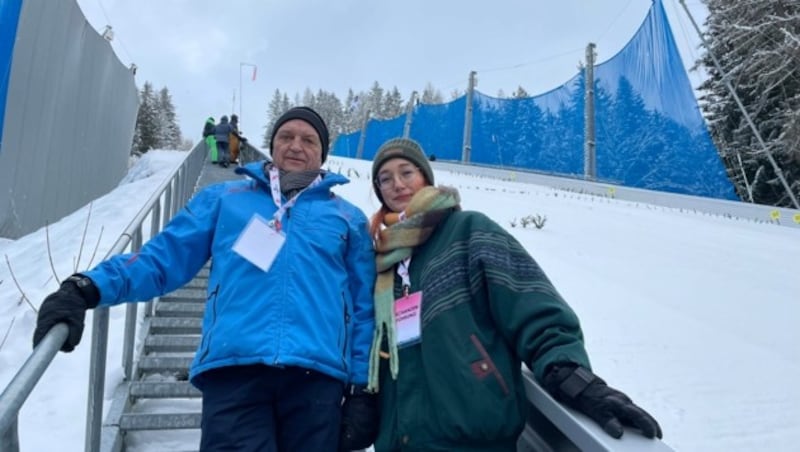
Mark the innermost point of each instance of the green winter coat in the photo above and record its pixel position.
(487, 308)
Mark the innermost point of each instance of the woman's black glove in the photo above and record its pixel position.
(67, 305)
(578, 388)
(360, 419)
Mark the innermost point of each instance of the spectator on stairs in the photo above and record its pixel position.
(235, 140)
(222, 134)
(208, 136)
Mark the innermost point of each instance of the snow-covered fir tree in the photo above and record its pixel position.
(431, 95)
(758, 46)
(169, 131)
(277, 106)
(330, 108)
(156, 122)
(147, 129)
(393, 104)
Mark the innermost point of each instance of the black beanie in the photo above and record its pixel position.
(404, 148)
(308, 115)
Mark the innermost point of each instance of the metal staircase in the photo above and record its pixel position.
(159, 409)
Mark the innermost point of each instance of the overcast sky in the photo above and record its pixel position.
(202, 50)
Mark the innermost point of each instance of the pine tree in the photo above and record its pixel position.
(157, 123)
(431, 95)
(519, 93)
(169, 131)
(352, 112)
(147, 126)
(393, 104)
(277, 106)
(375, 101)
(758, 47)
(330, 108)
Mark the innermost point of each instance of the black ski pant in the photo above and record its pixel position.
(262, 408)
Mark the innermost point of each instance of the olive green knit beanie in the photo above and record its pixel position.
(404, 148)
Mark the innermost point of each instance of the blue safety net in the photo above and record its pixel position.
(9, 17)
(648, 128)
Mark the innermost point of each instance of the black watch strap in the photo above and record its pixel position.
(87, 288)
(578, 380)
(81, 281)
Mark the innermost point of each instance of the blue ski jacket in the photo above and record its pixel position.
(313, 308)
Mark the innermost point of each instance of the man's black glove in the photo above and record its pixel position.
(360, 419)
(579, 388)
(67, 305)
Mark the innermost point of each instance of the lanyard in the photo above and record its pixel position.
(402, 267)
(275, 188)
(402, 270)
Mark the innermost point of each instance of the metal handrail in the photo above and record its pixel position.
(553, 426)
(174, 192)
(20, 387)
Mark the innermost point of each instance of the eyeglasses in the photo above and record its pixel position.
(387, 180)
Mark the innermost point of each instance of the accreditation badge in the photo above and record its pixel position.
(259, 243)
(408, 319)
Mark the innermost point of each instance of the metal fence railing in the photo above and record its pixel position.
(167, 200)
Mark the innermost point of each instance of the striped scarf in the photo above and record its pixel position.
(426, 209)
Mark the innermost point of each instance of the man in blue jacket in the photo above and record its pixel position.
(289, 318)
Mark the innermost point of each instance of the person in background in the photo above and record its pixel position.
(208, 136)
(235, 139)
(222, 134)
(459, 306)
(289, 317)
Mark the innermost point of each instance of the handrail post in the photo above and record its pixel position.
(9, 439)
(168, 204)
(97, 378)
(155, 228)
(130, 317)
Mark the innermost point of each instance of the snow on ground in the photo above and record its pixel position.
(693, 315)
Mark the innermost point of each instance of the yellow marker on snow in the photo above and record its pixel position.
(796, 218)
(612, 191)
(775, 215)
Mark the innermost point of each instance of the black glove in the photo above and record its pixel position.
(579, 388)
(67, 305)
(360, 419)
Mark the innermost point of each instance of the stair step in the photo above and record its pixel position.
(166, 421)
(180, 309)
(175, 325)
(196, 283)
(185, 295)
(176, 364)
(164, 390)
(171, 343)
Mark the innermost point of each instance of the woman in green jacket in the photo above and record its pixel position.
(459, 306)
